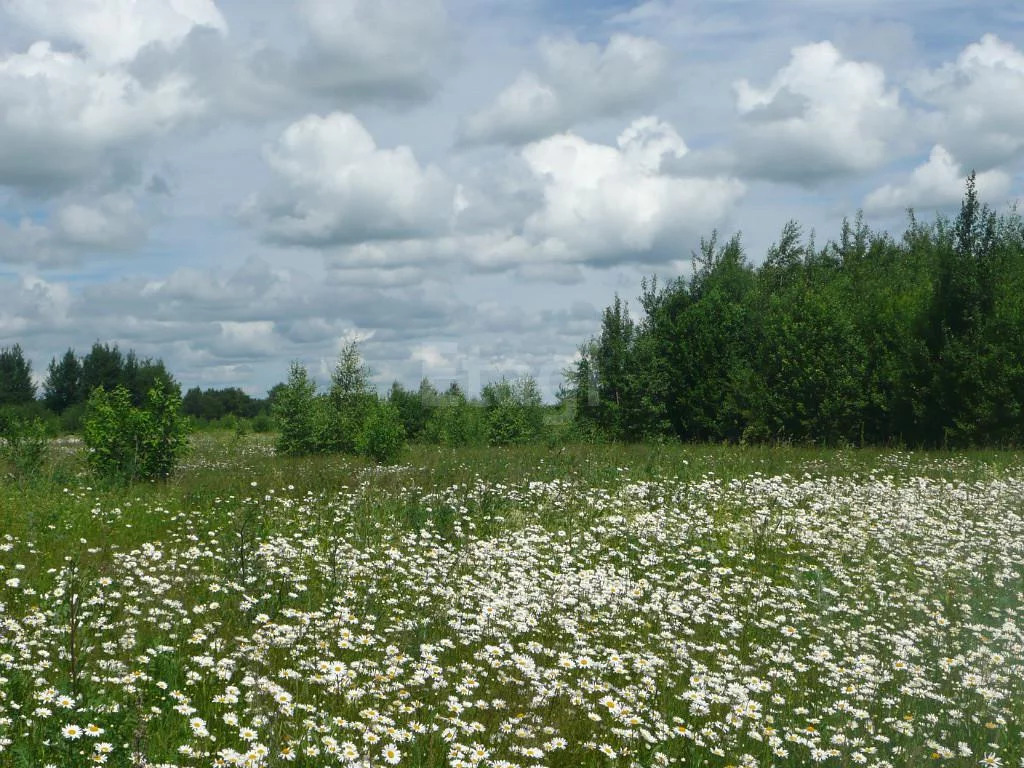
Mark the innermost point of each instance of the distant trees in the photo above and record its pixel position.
(215, 404)
(349, 418)
(867, 340)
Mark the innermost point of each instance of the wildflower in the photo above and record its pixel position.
(391, 754)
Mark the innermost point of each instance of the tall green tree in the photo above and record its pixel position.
(16, 385)
(294, 410)
(349, 403)
(63, 386)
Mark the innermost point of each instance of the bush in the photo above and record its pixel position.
(129, 443)
(514, 411)
(383, 435)
(24, 446)
(262, 423)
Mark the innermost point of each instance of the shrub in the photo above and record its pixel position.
(382, 435)
(262, 422)
(24, 446)
(129, 443)
(514, 411)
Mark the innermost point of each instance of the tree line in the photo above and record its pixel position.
(915, 340)
(877, 339)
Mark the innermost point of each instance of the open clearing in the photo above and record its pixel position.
(582, 606)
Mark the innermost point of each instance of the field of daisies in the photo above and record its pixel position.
(535, 607)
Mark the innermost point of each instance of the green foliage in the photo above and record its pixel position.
(127, 442)
(383, 435)
(870, 339)
(213, 404)
(350, 418)
(295, 411)
(415, 408)
(513, 411)
(24, 445)
(455, 421)
(63, 386)
(16, 386)
(348, 405)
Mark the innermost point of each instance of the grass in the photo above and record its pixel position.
(577, 605)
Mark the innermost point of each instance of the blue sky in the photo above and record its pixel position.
(462, 185)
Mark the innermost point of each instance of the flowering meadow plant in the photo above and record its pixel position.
(810, 617)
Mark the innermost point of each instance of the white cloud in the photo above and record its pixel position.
(577, 81)
(937, 183)
(112, 31)
(334, 186)
(819, 116)
(107, 224)
(63, 117)
(980, 98)
(391, 48)
(605, 204)
(110, 223)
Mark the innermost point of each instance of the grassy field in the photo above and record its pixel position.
(578, 606)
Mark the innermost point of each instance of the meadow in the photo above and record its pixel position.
(570, 606)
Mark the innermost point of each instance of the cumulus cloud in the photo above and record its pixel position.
(604, 204)
(114, 31)
(334, 185)
(819, 116)
(63, 118)
(109, 224)
(387, 49)
(937, 183)
(575, 82)
(979, 101)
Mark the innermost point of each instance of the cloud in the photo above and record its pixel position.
(979, 101)
(107, 224)
(937, 183)
(333, 185)
(576, 82)
(65, 119)
(607, 204)
(114, 31)
(820, 116)
(367, 49)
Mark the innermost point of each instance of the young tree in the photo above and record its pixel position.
(349, 403)
(294, 410)
(127, 442)
(382, 435)
(16, 385)
(514, 411)
(63, 386)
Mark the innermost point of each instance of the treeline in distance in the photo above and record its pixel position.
(871, 339)
(916, 340)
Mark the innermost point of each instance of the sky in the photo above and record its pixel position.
(460, 185)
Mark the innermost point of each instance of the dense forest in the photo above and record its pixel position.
(871, 339)
(915, 340)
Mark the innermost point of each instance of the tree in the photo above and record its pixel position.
(348, 404)
(383, 435)
(63, 386)
(127, 442)
(513, 411)
(16, 385)
(294, 411)
(103, 367)
(414, 408)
